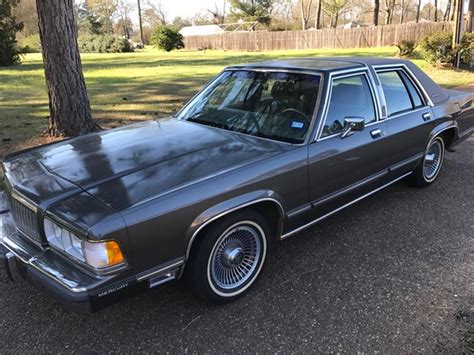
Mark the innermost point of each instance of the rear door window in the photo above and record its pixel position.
(400, 93)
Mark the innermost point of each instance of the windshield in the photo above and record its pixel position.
(272, 105)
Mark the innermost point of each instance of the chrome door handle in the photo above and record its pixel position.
(376, 133)
(426, 116)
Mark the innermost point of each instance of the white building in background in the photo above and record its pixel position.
(201, 30)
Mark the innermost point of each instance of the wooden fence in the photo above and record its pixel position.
(362, 37)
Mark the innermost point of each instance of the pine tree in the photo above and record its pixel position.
(9, 26)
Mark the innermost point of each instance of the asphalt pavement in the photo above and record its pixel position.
(391, 274)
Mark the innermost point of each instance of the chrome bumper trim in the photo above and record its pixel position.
(37, 264)
(13, 267)
(159, 270)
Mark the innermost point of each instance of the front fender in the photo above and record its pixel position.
(236, 203)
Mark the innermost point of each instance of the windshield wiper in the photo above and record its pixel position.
(208, 123)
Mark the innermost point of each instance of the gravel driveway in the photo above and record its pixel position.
(391, 274)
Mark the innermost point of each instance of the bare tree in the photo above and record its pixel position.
(389, 10)
(470, 16)
(376, 12)
(218, 14)
(155, 14)
(124, 10)
(26, 13)
(418, 10)
(404, 8)
(288, 9)
(140, 22)
(436, 10)
(448, 10)
(305, 9)
(318, 14)
(333, 8)
(105, 10)
(70, 112)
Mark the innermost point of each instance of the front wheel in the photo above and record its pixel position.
(428, 170)
(228, 258)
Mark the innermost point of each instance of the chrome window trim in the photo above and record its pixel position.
(315, 72)
(414, 79)
(344, 74)
(406, 112)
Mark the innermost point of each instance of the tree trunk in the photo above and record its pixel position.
(402, 13)
(436, 10)
(388, 16)
(70, 112)
(376, 12)
(318, 14)
(448, 9)
(470, 16)
(303, 20)
(305, 14)
(418, 8)
(140, 22)
(336, 20)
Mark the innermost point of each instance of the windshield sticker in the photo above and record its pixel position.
(297, 124)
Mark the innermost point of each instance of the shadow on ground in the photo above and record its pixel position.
(391, 274)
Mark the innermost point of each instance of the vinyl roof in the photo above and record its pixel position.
(321, 63)
(329, 64)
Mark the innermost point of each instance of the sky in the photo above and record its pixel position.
(187, 8)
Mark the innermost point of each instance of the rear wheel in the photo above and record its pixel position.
(428, 170)
(227, 260)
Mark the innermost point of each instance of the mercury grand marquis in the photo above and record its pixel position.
(262, 152)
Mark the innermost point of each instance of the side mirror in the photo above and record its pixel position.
(352, 124)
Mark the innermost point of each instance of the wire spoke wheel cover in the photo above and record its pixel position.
(433, 159)
(236, 258)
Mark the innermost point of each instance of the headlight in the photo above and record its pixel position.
(98, 255)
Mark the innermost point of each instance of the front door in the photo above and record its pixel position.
(341, 170)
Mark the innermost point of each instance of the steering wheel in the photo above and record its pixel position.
(295, 111)
(284, 126)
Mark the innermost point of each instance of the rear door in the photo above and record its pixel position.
(408, 119)
(343, 169)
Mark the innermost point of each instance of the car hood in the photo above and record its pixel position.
(124, 166)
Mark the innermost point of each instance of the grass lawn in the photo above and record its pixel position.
(137, 86)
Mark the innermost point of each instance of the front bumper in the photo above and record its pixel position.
(77, 289)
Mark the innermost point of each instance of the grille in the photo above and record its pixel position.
(25, 219)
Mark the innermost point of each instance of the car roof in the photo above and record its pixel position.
(332, 64)
(320, 63)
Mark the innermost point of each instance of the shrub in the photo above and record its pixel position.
(103, 44)
(437, 48)
(467, 48)
(406, 49)
(30, 44)
(167, 38)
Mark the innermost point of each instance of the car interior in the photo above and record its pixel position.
(276, 105)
